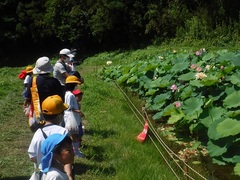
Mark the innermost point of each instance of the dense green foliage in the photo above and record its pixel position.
(197, 92)
(100, 25)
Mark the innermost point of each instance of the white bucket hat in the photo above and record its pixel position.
(43, 66)
(66, 52)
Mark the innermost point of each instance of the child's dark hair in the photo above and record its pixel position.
(70, 86)
(58, 148)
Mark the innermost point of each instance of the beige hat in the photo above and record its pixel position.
(43, 66)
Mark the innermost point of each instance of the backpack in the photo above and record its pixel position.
(35, 118)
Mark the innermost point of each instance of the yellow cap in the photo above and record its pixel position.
(72, 79)
(53, 105)
(29, 69)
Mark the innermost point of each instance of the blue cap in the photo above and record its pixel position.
(47, 149)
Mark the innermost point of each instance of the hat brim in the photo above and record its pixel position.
(70, 55)
(77, 82)
(30, 71)
(38, 71)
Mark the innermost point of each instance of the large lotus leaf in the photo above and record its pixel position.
(191, 117)
(208, 57)
(187, 77)
(150, 67)
(228, 69)
(230, 56)
(212, 132)
(235, 78)
(210, 115)
(175, 117)
(235, 59)
(126, 69)
(196, 83)
(215, 149)
(218, 160)
(237, 169)
(222, 52)
(134, 69)
(168, 110)
(232, 100)
(182, 57)
(158, 115)
(153, 84)
(180, 66)
(235, 159)
(233, 113)
(228, 127)
(122, 79)
(151, 92)
(132, 79)
(192, 106)
(161, 98)
(230, 90)
(209, 81)
(155, 107)
(186, 92)
(196, 127)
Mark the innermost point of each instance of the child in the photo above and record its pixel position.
(29, 71)
(72, 118)
(58, 151)
(27, 80)
(78, 95)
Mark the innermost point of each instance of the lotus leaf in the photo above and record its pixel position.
(187, 77)
(235, 159)
(192, 106)
(233, 113)
(237, 169)
(178, 67)
(218, 160)
(134, 69)
(168, 110)
(122, 78)
(229, 127)
(232, 100)
(150, 67)
(175, 118)
(196, 83)
(228, 56)
(186, 92)
(222, 52)
(161, 98)
(209, 81)
(212, 132)
(215, 150)
(132, 79)
(151, 92)
(158, 115)
(235, 79)
(208, 56)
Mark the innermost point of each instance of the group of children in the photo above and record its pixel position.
(71, 120)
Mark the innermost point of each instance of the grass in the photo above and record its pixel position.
(110, 145)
